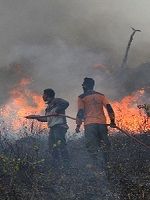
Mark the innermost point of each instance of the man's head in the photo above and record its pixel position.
(48, 95)
(88, 84)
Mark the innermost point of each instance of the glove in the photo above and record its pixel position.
(113, 124)
(77, 129)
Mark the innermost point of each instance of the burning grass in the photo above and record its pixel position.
(25, 168)
(128, 116)
(23, 102)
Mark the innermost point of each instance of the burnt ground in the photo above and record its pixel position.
(26, 172)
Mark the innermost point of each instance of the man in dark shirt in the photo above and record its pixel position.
(54, 116)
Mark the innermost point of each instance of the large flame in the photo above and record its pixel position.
(128, 116)
(23, 102)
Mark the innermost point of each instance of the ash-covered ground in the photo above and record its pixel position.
(26, 172)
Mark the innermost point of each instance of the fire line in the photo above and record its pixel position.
(73, 118)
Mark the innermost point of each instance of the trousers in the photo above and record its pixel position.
(58, 146)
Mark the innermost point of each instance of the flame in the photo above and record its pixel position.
(99, 66)
(23, 102)
(128, 116)
(103, 68)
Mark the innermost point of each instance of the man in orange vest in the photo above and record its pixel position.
(90, 110)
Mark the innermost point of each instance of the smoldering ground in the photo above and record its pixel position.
(27, 163)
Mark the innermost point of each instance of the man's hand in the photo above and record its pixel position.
(77, 129)
(32, 116)
(112, 124)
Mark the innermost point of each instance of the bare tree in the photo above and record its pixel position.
(124, 61)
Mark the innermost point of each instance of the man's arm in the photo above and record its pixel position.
(110, 111)
(61, 105)
(80, 114)
(37, 117)
(42, 119)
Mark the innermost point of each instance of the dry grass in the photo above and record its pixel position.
(26, 173)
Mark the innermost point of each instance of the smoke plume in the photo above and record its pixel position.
(57, 43)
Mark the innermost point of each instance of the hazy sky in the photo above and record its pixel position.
(61, 40)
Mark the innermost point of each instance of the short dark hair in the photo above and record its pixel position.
(89, 82)
(49, 92)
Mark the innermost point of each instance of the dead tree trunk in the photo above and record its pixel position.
(124, 61)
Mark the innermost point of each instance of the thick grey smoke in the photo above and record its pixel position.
(58, 43)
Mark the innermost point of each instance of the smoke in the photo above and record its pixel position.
(11, 75)
(58, 42)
